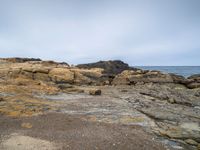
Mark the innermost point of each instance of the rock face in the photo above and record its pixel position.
(49, 71)
(110, 67)
(87, 76)
(174, 108)
(61, 75)
(131, 77)
(194, 81)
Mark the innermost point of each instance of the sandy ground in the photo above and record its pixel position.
(57, 131)
(19, 142)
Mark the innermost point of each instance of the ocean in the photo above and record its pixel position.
(185, 71)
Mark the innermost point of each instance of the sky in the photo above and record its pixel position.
(139, 32)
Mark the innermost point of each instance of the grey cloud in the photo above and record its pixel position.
(141, 32)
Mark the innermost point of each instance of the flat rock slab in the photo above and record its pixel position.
(61, 131)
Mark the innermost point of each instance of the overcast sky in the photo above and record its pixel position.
(139, 32)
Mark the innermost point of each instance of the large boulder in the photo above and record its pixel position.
(193, 81)
(86, 76)
(95, 92)
(178, 79)
(195, 77)
(110, 67)
(61, 75)
(193, 85)
(80, 79)
(129, 77)
(185, 130)
(41, 76)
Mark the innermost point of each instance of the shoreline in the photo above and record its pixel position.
(102, 100)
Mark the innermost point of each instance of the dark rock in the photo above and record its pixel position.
(64, 86)
(1, 99)
(197, 94)
(110, 67)
(193, 81)
(124, 90)
(64, 63)
(195, 76)
(49, 63)
(21, 60)
(95, 92)
(193, 85)
(178, 79)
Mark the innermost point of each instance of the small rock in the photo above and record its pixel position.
(64, 86)
(197, 94)
(95, 92)
(124, 90)
(171, 101)
(26, 125)
(197, 107)
(73, 90)
(1, 99)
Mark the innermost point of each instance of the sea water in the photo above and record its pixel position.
(185, 71)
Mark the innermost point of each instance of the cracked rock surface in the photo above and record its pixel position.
(49, 105)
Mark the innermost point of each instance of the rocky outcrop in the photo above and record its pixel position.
(110, 67)
(131, 77)
(178, 79)
(61, 75)
(20, 60)
(106, 74)
(49, 71)
(168, 100)
(174, 108)
(35, 61)
(87, 76)
(193, 81)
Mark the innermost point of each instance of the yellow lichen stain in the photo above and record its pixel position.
(14, 113)
(19, 106)
(26, 125)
